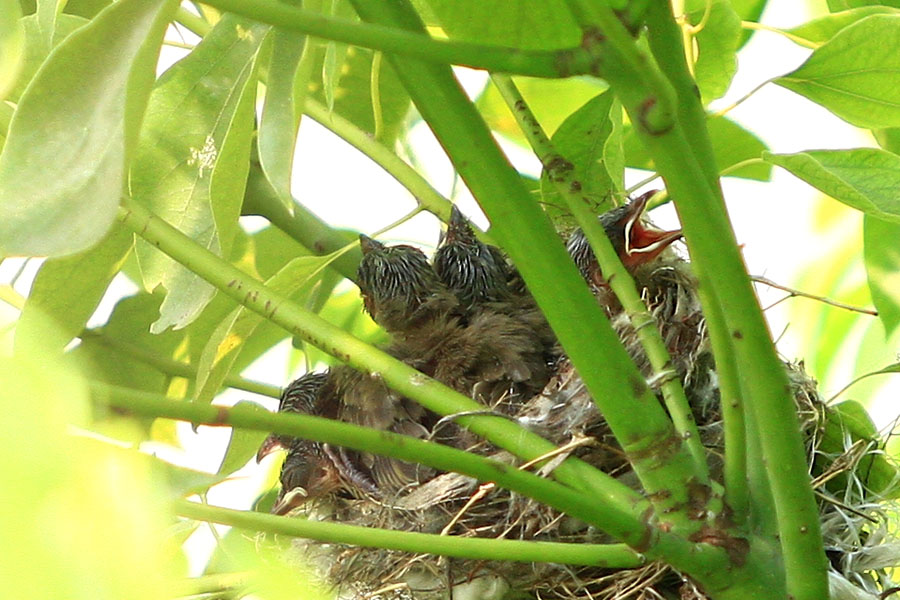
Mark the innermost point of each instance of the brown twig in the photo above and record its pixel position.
(792, 293)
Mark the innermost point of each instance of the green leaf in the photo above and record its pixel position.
(60, 185)
(541, 25)
(68, 289)
(39, 41)
(581, 140)
(718, 43)
(614, 147)
(836, 5)
(866, 179)
(882, 258)
(335, 52)
(856, 74)
(353, 94)
(127, 327)
(295, 280)
(888, 138)
(748, 10)
(241, 447)
(193, 159)
(280, 117)
(12, 45)
(823, 29)
(551, 101)
(731, 144)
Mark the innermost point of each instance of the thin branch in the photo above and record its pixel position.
(406, 448)
(739, 101)
(794, 38)
(563, 62)
(614, 556)
(894, 368)
(177, 368)
(793, 293)
(425, 194)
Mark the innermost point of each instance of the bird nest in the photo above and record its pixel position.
(854, 513)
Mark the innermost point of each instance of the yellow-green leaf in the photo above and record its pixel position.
(63, 167)
(856, 74)
(866, 179)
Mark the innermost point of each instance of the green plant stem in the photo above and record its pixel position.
(611, 43)
(552, 493)
(366, 439)
(536, 63)
(665, 41)
(764, 382)
(215, 583)
(428, 197)
(260, 198)
(627, 403)
(623, 509)
(560, 172)
(613, 556)
(177, 368)
(741, 165)
(754, 26)
(193, 23)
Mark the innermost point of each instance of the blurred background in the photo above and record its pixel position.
(790, 234)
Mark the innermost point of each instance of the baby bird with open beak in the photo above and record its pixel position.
(636, 242)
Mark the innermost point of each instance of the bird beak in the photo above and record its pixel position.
(286, 502)
(269, 445)
(367, 244)
(643, 242)
(456, 227)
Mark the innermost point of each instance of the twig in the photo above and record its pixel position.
(792, 293)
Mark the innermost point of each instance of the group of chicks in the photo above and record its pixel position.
(465, 319)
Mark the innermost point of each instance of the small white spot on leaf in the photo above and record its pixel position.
(204, 158)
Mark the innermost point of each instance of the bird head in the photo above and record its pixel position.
(395, 281)
(636, 241)
(474, 271)
(301, 396)
(307, 473)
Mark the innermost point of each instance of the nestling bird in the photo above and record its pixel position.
(312, 469)
(666, 284)
(400, 290)
(474, 271)
(479, 275)
(636, 242)
(483, 347)
(300, 396)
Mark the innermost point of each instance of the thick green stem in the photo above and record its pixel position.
(536, 63)
(767, 392)
(520, 226)
(561, 174)
(612, 556)
(196, 25)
